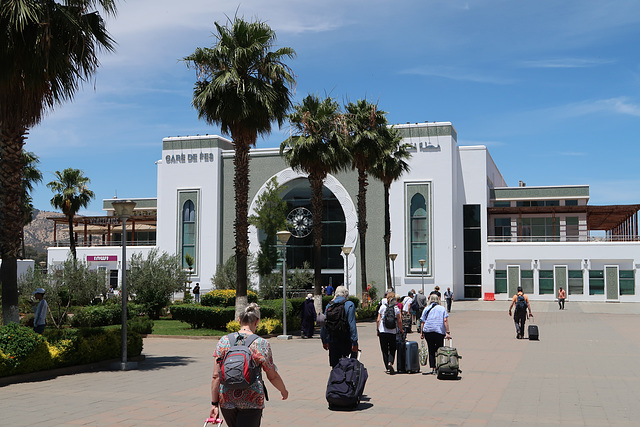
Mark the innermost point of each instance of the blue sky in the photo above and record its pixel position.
(551, 88)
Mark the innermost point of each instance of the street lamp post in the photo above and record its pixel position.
(123, 210)
(284, 236)
(346, 250)
(422, 262)
(393, 257)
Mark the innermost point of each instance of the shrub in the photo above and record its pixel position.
(203, 317)
(104, 315)
(24, 351)
(265, 327)
(224, 298)
(366, 313)
(269, 326)
(140, 325)
(233, 326)
(17, 343)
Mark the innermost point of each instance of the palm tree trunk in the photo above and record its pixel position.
(362, 226)
(72, 238)
(241, 185)
(11, 216)
(316, 183)
(387, 235)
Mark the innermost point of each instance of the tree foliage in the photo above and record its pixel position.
(70, 195)
(48, 49)
(153, 280)
(271, 217)
(316, 148)
(71, 283)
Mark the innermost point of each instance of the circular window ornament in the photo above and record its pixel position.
(299, 222)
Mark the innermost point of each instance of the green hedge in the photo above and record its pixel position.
(203, 317)
(23, 351)
(104, 315)
(224, 298)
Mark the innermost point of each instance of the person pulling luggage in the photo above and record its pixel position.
(434, 327)
(339, 334)
(521, 301)
(388, 323)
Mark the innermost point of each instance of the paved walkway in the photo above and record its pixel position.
(583, 371)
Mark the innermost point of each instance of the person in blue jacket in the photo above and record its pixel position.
(341, 344)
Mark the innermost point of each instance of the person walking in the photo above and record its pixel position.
(196, 293)
(448, 296)
(521, 301)
(388, 314)
(434, 327)
(244, 407)
(308, 316)
(420, 302)
(339, 334)
(561, 297)
(40, 319)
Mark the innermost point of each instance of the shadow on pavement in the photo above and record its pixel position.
(154, 363)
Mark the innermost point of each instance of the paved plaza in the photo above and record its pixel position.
(583, 371)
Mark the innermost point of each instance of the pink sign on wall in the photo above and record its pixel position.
(102, 258)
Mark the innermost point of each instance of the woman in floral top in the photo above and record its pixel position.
(244, 407)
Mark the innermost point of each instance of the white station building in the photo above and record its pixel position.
(453, 209)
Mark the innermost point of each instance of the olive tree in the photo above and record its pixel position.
(153, 280)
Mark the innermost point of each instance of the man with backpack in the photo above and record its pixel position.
(339, 334)
(521, 301)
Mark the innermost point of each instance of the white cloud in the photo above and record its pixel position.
(565, 63)
(456, 73)
(619, 106)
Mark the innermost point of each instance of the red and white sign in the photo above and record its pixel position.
(102, 258)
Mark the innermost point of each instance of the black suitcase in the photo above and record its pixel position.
(412, 361)
(346, 383)
(401, 356)
(533, 333)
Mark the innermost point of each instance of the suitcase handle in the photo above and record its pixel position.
(450, 342)
(217, 421)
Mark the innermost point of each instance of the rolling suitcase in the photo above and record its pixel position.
(447, 362)
(412, 360)
(346, 383)
(532, 331)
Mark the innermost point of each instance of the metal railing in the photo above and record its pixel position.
(563, 239)
(66, 243)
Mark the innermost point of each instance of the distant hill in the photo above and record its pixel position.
(39, 233)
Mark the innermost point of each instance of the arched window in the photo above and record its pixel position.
(188, 230)
(418, 230)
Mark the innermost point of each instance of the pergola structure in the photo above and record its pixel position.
(616, 220)
(99, 230)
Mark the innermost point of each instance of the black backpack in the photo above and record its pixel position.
(390, 320)
(521, 304)
(336, 319)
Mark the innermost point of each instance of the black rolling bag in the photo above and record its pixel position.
(346, 383)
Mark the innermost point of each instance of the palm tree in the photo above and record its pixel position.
(244, 87)
(316, 149)
(48, 49)
(368, 141)
(30, 175)
(71, 195)
(390, 168)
